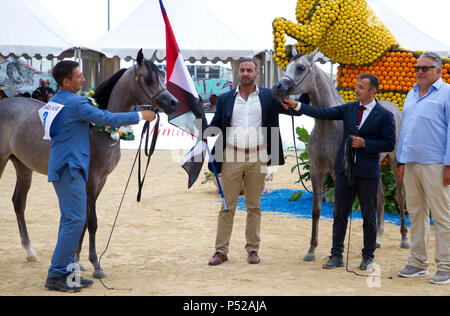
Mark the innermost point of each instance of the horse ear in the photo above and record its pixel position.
(140, 57)
(153, 59)
(311, 57)
(291, 52)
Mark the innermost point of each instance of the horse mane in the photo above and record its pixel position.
(333, 89)
(103, 91)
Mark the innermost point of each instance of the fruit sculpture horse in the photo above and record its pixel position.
(349, 33)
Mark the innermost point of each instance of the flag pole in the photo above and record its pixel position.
(217, 177)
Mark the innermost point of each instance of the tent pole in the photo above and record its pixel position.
(109, 15)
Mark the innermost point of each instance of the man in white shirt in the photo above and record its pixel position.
(248, 120)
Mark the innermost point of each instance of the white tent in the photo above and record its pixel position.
(407, 35)
(200, 34)
(27, 29)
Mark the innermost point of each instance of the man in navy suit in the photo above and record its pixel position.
(68, 167)
(250, 140)
(375, 129)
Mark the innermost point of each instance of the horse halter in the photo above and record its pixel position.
(143, 88)
(296, 85)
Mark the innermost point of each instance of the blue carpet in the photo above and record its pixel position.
(278, 201)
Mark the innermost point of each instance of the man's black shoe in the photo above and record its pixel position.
(366, 264)
(85, 282)
(61, 284)
(333, 262)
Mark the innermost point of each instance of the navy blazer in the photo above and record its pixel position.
(378, 132)
(271, 108)
(70, 132)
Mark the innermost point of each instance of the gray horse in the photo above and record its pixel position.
(304, 77)
(21, 141)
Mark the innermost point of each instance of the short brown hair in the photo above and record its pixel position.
(249, 59)
(373, 80)
(64, 70)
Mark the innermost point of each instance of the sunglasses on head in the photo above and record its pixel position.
(423, 68)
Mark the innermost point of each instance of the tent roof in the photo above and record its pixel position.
(265, 11)
(406, 34)
(199, 33)
(26, 28)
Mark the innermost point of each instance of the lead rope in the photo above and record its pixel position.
(145, 132)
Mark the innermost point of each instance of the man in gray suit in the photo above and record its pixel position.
(68, 166)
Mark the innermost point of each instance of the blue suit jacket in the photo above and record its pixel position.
(271, 108)
(378, 132)
(70, 132)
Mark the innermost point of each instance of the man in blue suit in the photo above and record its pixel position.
(375, 129)
(68, 167)
(247, 118)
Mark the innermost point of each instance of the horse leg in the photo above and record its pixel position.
(3, 162)
(78, 251)
(316, 179)
(19, 199)
(400, 198)
(93, 258)
(380, 212)
(93, 192)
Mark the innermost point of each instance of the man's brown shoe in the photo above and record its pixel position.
(217, 259)
(253, 257)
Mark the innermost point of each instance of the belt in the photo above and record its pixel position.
(247, 150)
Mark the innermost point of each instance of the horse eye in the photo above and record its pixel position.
(148, 79)
(300, 68)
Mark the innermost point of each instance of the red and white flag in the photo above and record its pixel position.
(190, 116)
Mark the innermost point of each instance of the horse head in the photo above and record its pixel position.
(298, 77)
(150, 87)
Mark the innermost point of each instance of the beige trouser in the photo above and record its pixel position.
(238, 167)
(426, 192)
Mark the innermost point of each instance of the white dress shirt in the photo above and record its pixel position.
(245, 129)
(366, 113)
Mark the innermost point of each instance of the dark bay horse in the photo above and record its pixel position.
(21, 142)
(304, 77)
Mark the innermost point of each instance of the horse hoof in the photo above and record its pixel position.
(405, 245)
(99, 274)
(32, 259)
(31, 254)
(309, 257)
(378, 245)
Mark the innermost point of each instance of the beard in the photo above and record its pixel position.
(247, 81)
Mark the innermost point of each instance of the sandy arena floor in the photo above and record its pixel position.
(162, 245)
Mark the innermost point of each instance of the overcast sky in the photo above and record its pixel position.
(87, 19)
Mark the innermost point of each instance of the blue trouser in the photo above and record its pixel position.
(71, 192)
